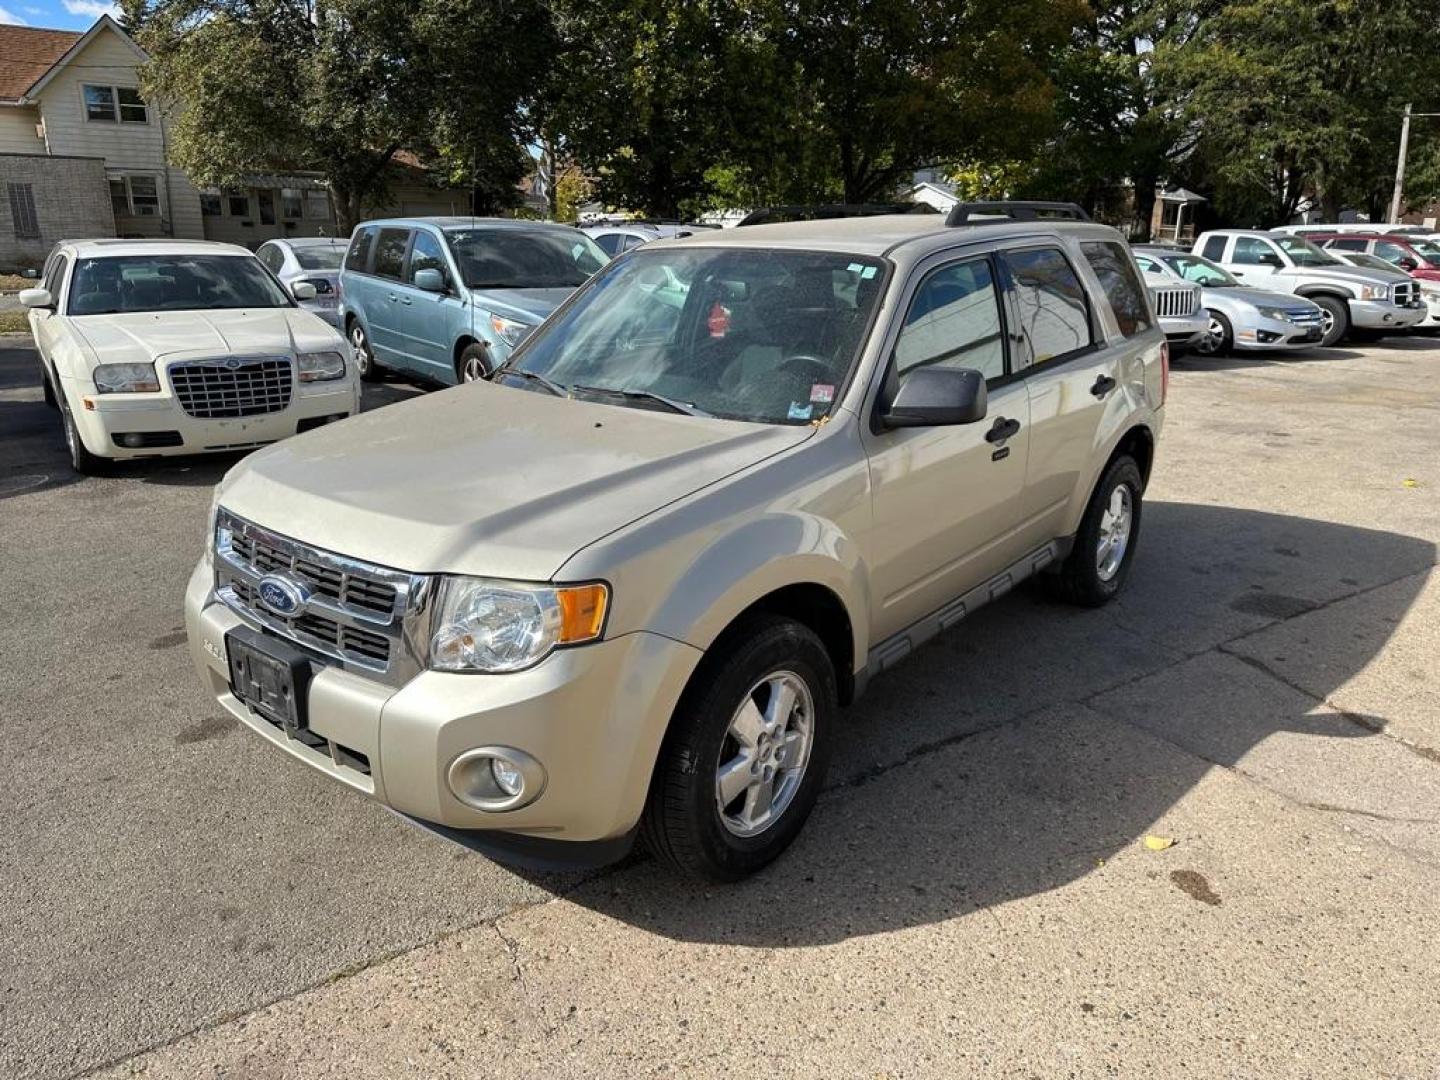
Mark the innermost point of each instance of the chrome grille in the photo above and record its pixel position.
(1176, 302)
(1308, 318)
(368, 617)
(233, 387)
(1405, 293)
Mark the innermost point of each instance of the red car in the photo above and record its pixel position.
(1418, 258)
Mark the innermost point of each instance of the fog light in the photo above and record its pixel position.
(507, 776)
(133, 439)
(496, 778)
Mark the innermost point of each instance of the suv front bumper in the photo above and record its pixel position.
(593, 717)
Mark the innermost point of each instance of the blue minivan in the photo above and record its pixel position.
(448, 298)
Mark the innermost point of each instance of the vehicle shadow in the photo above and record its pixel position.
(1191, 361)
(981, 770)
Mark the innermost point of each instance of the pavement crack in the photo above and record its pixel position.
(512, 953)
(1331, 808)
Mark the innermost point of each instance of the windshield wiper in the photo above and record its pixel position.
(554, 387)
(641, 395)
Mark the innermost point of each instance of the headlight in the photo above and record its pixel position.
(496, 626)
(320, 366)
(1272, 313)
(508, 330)
(126, 379)
(1374, 292)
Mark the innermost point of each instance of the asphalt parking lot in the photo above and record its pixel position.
(972, 897)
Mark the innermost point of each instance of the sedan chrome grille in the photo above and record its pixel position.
(233, 387)
(1306, 318)
(370, 618)
(1175, 302)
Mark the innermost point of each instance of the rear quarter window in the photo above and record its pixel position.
(1214, 248)
(1122, 286)
(358, 257)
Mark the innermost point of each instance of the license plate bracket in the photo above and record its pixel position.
(270, 677)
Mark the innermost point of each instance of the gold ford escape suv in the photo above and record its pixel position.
(625, 587)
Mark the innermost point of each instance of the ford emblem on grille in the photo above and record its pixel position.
(282, 594)
(233, 362)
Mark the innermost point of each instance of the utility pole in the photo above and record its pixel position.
(1400, 168)
(1395, 200)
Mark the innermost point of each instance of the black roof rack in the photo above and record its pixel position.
(770, 215)
(1014, 210)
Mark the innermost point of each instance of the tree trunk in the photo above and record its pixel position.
(348, 211)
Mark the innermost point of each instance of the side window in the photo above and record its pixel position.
(272, 257)
(54, 275)
(390, 252)
(629, 242)
(954, 321)
(609, 242)
(1391, 253)
(1346, 244)
(1053, 310)
(1122, 285)
(425, 255)
(358, 257)
(1251, 251)
(1215, 248)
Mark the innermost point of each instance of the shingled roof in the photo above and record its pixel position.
(27, 53)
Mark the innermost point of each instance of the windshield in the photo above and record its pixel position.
(131, 283)
(521, 259)
(319, 256)
(740, 333)
(1202, 271)
(1304, 253)
(1428, 251)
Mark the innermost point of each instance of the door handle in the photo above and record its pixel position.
(1103, 385)
(1001, 430)
(391, 296)
(405, 300)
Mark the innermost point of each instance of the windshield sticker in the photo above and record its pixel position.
(719, 320)
(867, 273)
(799, 411)
(822, 393)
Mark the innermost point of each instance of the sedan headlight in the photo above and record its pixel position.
(1273, 313)
(126, 379)
(1374, 292)
(498, 626)
(508, 330)
(320, 366)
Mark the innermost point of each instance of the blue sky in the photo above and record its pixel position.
(56, 14)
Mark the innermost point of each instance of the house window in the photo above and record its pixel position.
(132, 106)
(22, 212)
(100, 103)
(144, 196)
(290, 208)
(237, 203)
(210, 203)
(119, 197)
(317, 204)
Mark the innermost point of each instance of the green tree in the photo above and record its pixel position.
(342, 86)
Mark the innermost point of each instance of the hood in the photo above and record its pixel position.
(1354, 276)
(527, 305)
(1260, 298)
(152, 335)
(488, 480)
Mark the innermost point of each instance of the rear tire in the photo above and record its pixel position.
(1335, 319)
(362, 354)
(755, 724)
(1096, 569)
(81, 460)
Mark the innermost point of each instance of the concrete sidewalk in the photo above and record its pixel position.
(973, 896)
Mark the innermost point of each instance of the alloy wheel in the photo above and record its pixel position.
(764, 754)
(1115, 522)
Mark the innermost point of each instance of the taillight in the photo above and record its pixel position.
(1164, 371)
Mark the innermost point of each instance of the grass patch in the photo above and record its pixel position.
(13, 321)
(14, 282)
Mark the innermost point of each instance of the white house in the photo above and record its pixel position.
(82, 154)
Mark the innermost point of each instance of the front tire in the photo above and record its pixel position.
(81, 460)
(1334, 319)
(474, 364)
(746, 753)
(1096, 569)
(362, 354)
(1219, 336)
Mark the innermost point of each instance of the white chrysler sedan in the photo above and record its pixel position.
(155, 347)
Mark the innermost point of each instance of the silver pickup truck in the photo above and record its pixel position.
(625, 588)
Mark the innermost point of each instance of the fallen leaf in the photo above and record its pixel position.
(1159, 843)
(1409, 481)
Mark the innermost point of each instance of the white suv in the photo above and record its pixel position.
(180, 347)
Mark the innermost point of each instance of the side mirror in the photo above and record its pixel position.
(37, 298)
(1408, 265)
(430, 279)
(1269, 259)
(936, 397)
(302, 290)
